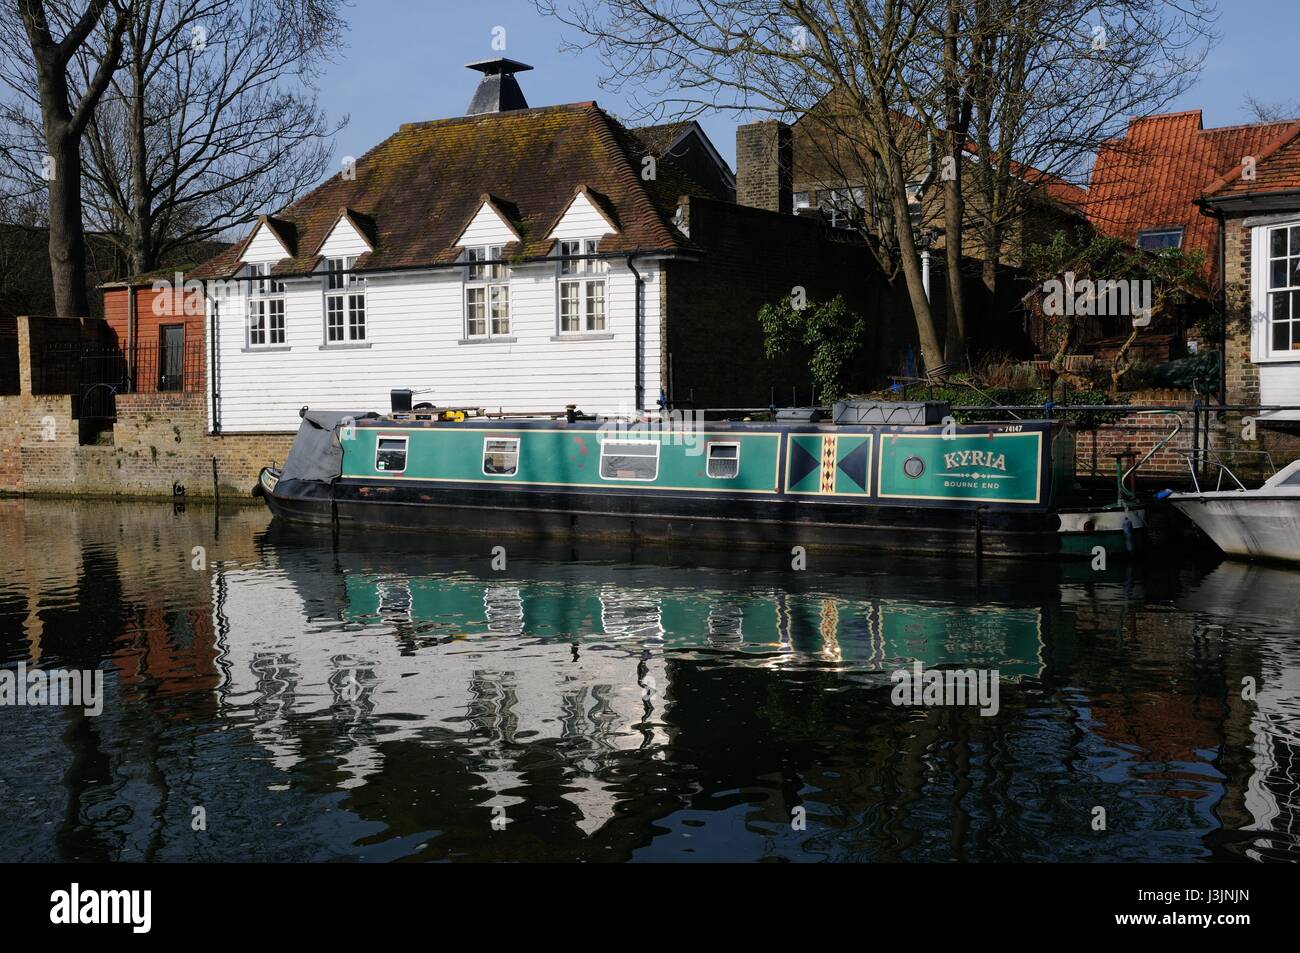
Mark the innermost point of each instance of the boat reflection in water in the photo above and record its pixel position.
(576, 654)
(364, 701)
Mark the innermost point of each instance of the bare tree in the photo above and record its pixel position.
(64, 110)
(211, 118)
(1054, 80)
(892, 80)
(1266, 112)
(784, 58)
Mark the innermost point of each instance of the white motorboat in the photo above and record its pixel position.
(1254, 524)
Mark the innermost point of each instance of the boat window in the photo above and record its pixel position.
(500, 456)
(629, 460)
(723, 460)
(390, 454)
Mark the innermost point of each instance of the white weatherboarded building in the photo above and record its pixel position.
(511, 260)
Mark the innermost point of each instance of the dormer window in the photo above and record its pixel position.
(345, 303)
(1156, 239)
(265, 309)
(582, 287)
(487, 292)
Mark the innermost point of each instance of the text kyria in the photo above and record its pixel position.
(975, 458)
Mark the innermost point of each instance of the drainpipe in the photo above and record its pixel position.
(640, 365)
(213, 316)
(922, 187)
(1209, 211)
(131, 333)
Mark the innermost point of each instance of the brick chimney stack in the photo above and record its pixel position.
(765, 166)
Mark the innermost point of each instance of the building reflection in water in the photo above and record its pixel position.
(610, 707)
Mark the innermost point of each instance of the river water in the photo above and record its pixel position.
(275, 694)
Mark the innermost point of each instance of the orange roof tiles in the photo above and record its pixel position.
(1277, 169)
(1153, 176)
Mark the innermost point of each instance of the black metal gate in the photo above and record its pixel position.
(92, 375)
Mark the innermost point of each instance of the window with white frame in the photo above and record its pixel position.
(843, 208)
(582, 287)
(345, 303)
(487, 293)
(723, 460)
(500, 456)
(1284, 288)
(629, 460)
(390, 454)
(265, 309)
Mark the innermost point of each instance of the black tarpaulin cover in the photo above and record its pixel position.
(317, 454)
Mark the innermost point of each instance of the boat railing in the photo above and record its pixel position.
(1208, 459)
(1159, 445)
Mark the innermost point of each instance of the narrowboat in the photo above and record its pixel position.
(875, 477)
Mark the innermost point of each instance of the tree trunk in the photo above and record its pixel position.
(67, 235)
(956, 122)
(63, 128)
(141, 225)
(931, 352)
(989, 274)
(954, 342)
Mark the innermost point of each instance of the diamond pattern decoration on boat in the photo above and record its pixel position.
(828, 465)
(854, 464)
(805, 460)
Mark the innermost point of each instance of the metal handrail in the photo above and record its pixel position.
(1212, 458)
(1178, 428)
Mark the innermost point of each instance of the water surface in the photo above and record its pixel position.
(400, 697)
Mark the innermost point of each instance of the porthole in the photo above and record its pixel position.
(914, 467)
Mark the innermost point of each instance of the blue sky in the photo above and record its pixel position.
(403, 62)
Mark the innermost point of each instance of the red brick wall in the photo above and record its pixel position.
(1230, 439)
(1139, 434)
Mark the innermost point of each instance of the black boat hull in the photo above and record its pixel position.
(686, 520)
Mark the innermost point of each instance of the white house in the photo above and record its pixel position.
(512, 259)
(1258, 204)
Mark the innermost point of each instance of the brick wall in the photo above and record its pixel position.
(1246, 449)
(764, 166)
(752, 257)
(1139, 434)
(1242, 376)
(159, 441)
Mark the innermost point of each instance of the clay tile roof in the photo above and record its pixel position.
(419, 187)
(1152, 177)
(1277, 169)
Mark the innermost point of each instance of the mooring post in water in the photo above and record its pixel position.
(216, 491)
(334, 516)
(1196, 437)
